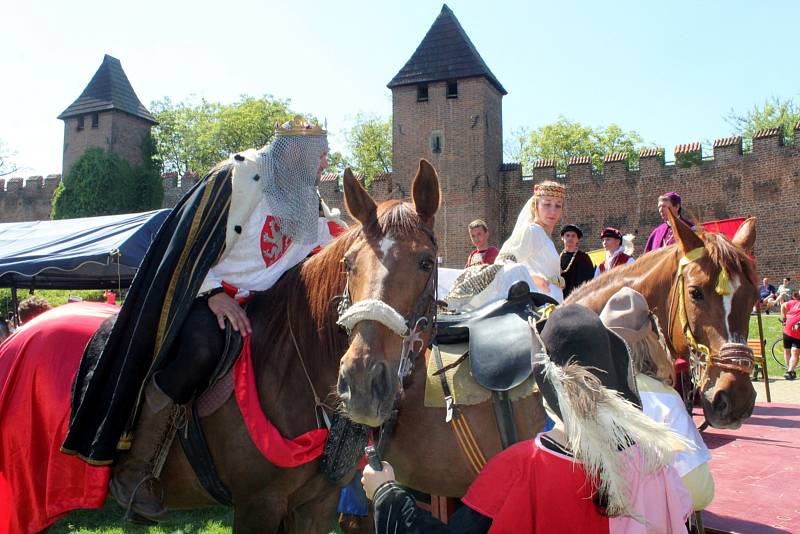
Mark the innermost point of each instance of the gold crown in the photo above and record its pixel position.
(298, 126)
(549, 190)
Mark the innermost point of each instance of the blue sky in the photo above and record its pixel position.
(669, 70)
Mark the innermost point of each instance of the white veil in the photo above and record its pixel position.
(514, 241)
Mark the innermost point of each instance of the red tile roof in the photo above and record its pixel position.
(687, 148)
(542, 163)
(615, 156)
(728, 141)
(579, 160)
(767, 132)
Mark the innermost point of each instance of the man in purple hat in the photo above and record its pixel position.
(662, 235)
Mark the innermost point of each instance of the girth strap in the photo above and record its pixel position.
(196, 450)
(504, 414)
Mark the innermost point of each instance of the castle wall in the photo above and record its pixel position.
(116, 131)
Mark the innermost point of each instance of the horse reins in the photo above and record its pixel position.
(731, 358)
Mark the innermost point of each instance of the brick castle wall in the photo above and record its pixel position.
(30, 199)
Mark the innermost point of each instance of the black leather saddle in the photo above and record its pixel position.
(499, 337)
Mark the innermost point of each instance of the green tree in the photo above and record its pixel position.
(194, 136)
(370, 144)
(337, 163)
(102, 183)
(564, 139)
(775, 112)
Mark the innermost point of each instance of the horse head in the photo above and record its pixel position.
(708, 318)
(390, 295)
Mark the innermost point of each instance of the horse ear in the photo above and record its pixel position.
(358, 202)
(745, 236)
(685, 237)
(425, 192)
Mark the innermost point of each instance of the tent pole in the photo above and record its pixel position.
(15, 304)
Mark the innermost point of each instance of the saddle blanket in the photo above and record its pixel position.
(465, 390)
(37, 366)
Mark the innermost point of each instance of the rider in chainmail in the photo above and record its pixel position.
(289, 166)
(272, 225)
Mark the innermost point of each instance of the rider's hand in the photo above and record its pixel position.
(224, 306)
(541, 282)
(372, 480)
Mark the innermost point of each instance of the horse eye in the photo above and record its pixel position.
(426, 265)
(696, 293)
(347, 264)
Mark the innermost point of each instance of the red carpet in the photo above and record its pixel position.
(757, 472)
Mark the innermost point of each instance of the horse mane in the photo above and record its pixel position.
(307, 294)
(726, 255)
(722, 252)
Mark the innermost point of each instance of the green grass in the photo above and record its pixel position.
(108, 520)
(773, 330)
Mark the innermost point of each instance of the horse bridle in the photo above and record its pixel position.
(735, 357)
(413, 330)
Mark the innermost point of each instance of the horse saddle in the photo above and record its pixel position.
(499, 337)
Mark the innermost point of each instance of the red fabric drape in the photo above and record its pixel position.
(278, 450)
(726, 227)
(37, 365)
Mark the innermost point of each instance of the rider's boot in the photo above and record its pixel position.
(134, 482)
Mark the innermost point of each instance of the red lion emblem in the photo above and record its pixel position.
(274, 243)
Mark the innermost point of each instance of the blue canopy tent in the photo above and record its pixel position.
(89, 253)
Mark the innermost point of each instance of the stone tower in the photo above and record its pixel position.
(107, 115)
(447, 108)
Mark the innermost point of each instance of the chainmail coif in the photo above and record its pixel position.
(289, 166)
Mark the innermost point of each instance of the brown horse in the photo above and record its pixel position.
(694, 314)
(422, 448)
(296, 346)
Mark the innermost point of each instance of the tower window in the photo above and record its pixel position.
(452, 89)
(422, 92)
(95, 120)
(437, 141)
(80, 122)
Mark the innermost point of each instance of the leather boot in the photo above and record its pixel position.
(134, 483)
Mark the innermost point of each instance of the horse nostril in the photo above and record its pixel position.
(378, 379)
(722, 404)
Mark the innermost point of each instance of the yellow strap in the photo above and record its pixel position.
(694, 254)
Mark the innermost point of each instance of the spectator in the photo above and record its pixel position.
(662, 235)
(790, 317)
(110, 296)
(576, 265)
(31, 307)
(483, 253)
(784, 294)
(765, 291)
(615, 255)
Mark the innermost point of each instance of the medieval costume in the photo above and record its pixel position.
(603, 468)
(627, 314)
(251, 219)
(662, 235)
(576, 267)
(620, 256)
(528, 251)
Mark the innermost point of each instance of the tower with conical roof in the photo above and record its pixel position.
(107, 115)
(447, 108)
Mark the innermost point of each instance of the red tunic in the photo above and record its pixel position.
(478, 257)
(621, 259)
(792, 319)
(528, 488)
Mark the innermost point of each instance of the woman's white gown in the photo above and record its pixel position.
(535, 253)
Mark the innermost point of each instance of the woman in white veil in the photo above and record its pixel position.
(528, 255)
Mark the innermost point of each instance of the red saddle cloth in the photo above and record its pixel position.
(37, 365)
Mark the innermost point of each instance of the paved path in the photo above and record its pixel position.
(782, 390)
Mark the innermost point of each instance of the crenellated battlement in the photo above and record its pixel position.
(30, 199)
